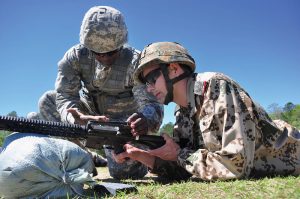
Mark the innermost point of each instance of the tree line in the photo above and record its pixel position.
(289, 113)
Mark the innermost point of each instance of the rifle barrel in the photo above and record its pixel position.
(24, 125)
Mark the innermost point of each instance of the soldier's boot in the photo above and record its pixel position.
(98, 160)
(95, 172)
(128, 170)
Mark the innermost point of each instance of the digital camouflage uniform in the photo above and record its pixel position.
(95, 89)
(105, 91)
(86, 84)
(47, 108)
(224, 134)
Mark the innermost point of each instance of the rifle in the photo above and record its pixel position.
(96, 134)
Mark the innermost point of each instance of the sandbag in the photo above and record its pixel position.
(37, 166)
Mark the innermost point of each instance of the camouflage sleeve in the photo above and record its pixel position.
(228, 130)
(169, 170)
(67, 85)
(148, 105)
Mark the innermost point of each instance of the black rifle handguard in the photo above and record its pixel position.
(97, 134)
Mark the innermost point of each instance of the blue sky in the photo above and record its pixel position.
(256, 42)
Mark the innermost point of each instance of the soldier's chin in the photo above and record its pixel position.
(108, 63)
(161, 100)
(159, 97)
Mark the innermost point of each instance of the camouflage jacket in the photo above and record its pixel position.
(225, 135)
(86, 84)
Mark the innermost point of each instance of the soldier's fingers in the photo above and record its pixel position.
(132, 117)
(118, 158)
(74, 112)
(139, 121)
(101, 118)
(166, 136)
(140, 125)
(87, 117)
(141, 129)
(133, 132)
(127, 146)
(168, 139)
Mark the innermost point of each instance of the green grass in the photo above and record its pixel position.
(149, 188)
(288, 187)
(276, 187)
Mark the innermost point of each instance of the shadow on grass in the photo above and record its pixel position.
(150, 180)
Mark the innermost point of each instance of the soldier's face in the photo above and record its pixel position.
(108, 58)
(155, 82)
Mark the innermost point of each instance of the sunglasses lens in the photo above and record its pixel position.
(112, 53)
(152, 76)
(109, 54)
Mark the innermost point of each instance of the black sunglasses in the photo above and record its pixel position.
(108, 54)
(151, 77)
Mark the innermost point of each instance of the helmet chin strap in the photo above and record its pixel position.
(171, 82)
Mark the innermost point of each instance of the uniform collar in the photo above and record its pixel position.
(191, 95)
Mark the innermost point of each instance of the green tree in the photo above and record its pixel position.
(13, 114)
(289, 113)
(294, 118)
(288, 107)
(167, 128)
(275, 111)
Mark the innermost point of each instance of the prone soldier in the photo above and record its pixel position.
(220, 132)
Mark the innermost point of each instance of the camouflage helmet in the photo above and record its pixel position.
(103, 29)
(163, 52)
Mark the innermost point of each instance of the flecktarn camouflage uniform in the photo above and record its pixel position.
(226, 135)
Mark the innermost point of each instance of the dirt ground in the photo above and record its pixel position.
(104, 177)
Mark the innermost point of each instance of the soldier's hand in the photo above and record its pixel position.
(138, 124)
(131, 152)
(169, 151)
(82, 119)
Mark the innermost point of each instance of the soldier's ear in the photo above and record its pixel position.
(174, 68)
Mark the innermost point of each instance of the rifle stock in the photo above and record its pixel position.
(96, 134)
